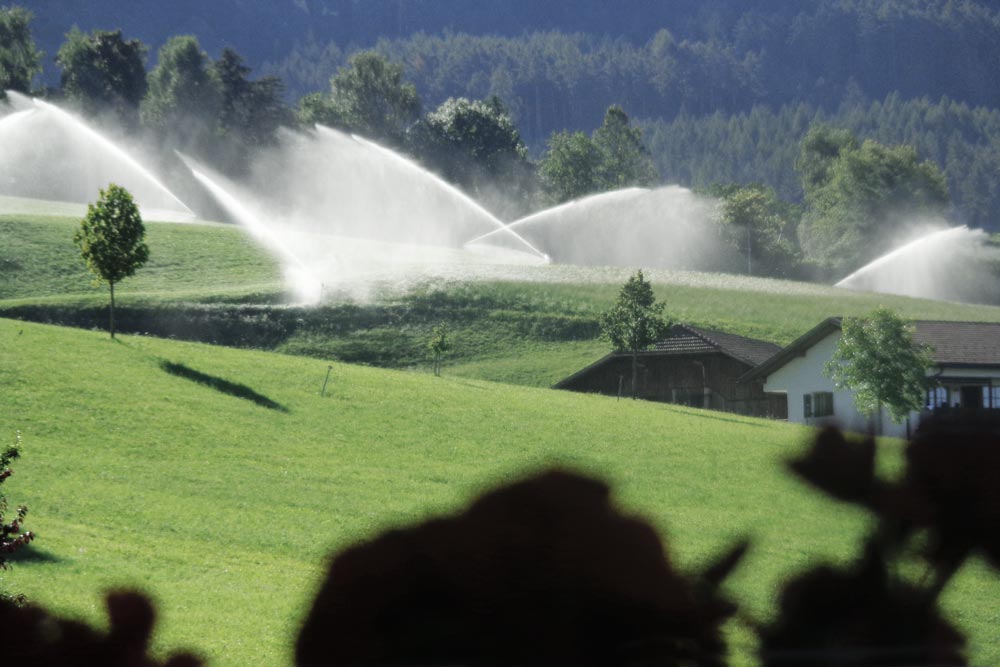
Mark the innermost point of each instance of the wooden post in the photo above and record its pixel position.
(111, 310)
(322, 392)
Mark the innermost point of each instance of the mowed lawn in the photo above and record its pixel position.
(225, 509)
(39, 261)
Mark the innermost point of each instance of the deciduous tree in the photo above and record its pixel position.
(635, 321)
(613, 157)
(466, 138)
(570, 168)
(111, 240)
(20, 61)
(102, 71)
(184, 96)
(438, 345)
(371, 98)
(761, 227)
(863, 200)
(12, 533)
(251, 110)
(625, 161)
(878, 359)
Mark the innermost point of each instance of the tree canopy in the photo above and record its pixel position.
(20, 60)
(370, 97)
(184, 96)
(625, 161)
(877, 358)
(571, 166)
(635, 321)
(613, 157)
(102, 71)
(474, 144)
(761, 227)
(863, 200)
(252, 111)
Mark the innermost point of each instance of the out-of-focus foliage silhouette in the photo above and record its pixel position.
(31, 637)
(858, 616)
(945, 507)
(544, 571)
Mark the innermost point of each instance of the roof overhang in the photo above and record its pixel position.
(794, 350)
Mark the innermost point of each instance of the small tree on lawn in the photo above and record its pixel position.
(438, 345)
(878, 359)
(12, 537)
(635, 321)
(111, 239)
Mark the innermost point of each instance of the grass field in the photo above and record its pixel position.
(533, 330)
(224, 508)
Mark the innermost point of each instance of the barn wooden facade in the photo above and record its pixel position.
(691, 366)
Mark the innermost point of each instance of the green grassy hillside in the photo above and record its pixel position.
(223, 499)
(526, 325)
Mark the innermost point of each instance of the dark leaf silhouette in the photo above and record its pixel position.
(841, 468)
(950, 488)
(544, 571)
(858, 617)
(31, 636)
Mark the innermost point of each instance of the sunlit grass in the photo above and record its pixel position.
(224, 510)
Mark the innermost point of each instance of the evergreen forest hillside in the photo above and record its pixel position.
(724, 91)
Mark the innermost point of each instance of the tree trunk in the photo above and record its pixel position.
(111, 311)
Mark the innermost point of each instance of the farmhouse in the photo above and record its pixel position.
(966, 375)
(691, 366)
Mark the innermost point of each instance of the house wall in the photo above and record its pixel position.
(805, 375)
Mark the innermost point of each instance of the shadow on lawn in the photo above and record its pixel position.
(32, 554)
(219, 384)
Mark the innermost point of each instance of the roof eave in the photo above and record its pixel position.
(795, 349)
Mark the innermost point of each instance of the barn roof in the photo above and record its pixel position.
(684, 339)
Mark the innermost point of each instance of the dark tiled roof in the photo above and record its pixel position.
(960, 343)
(953, 343)
(686, 339)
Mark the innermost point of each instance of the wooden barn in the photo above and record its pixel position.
(691, 366)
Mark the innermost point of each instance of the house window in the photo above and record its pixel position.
(823, 404)
(818, 404)
(995, 393)
(937, 397)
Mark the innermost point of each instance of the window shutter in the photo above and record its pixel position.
(807, 405)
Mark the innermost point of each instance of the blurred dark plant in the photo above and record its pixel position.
(944, 508)
(858, 616)
(31, 636)
(543, 571)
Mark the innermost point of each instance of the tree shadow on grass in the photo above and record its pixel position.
(219, 384)
(32, 554)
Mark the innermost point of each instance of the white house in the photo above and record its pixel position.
(966, 374)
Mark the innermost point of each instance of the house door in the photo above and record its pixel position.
(972, 397)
